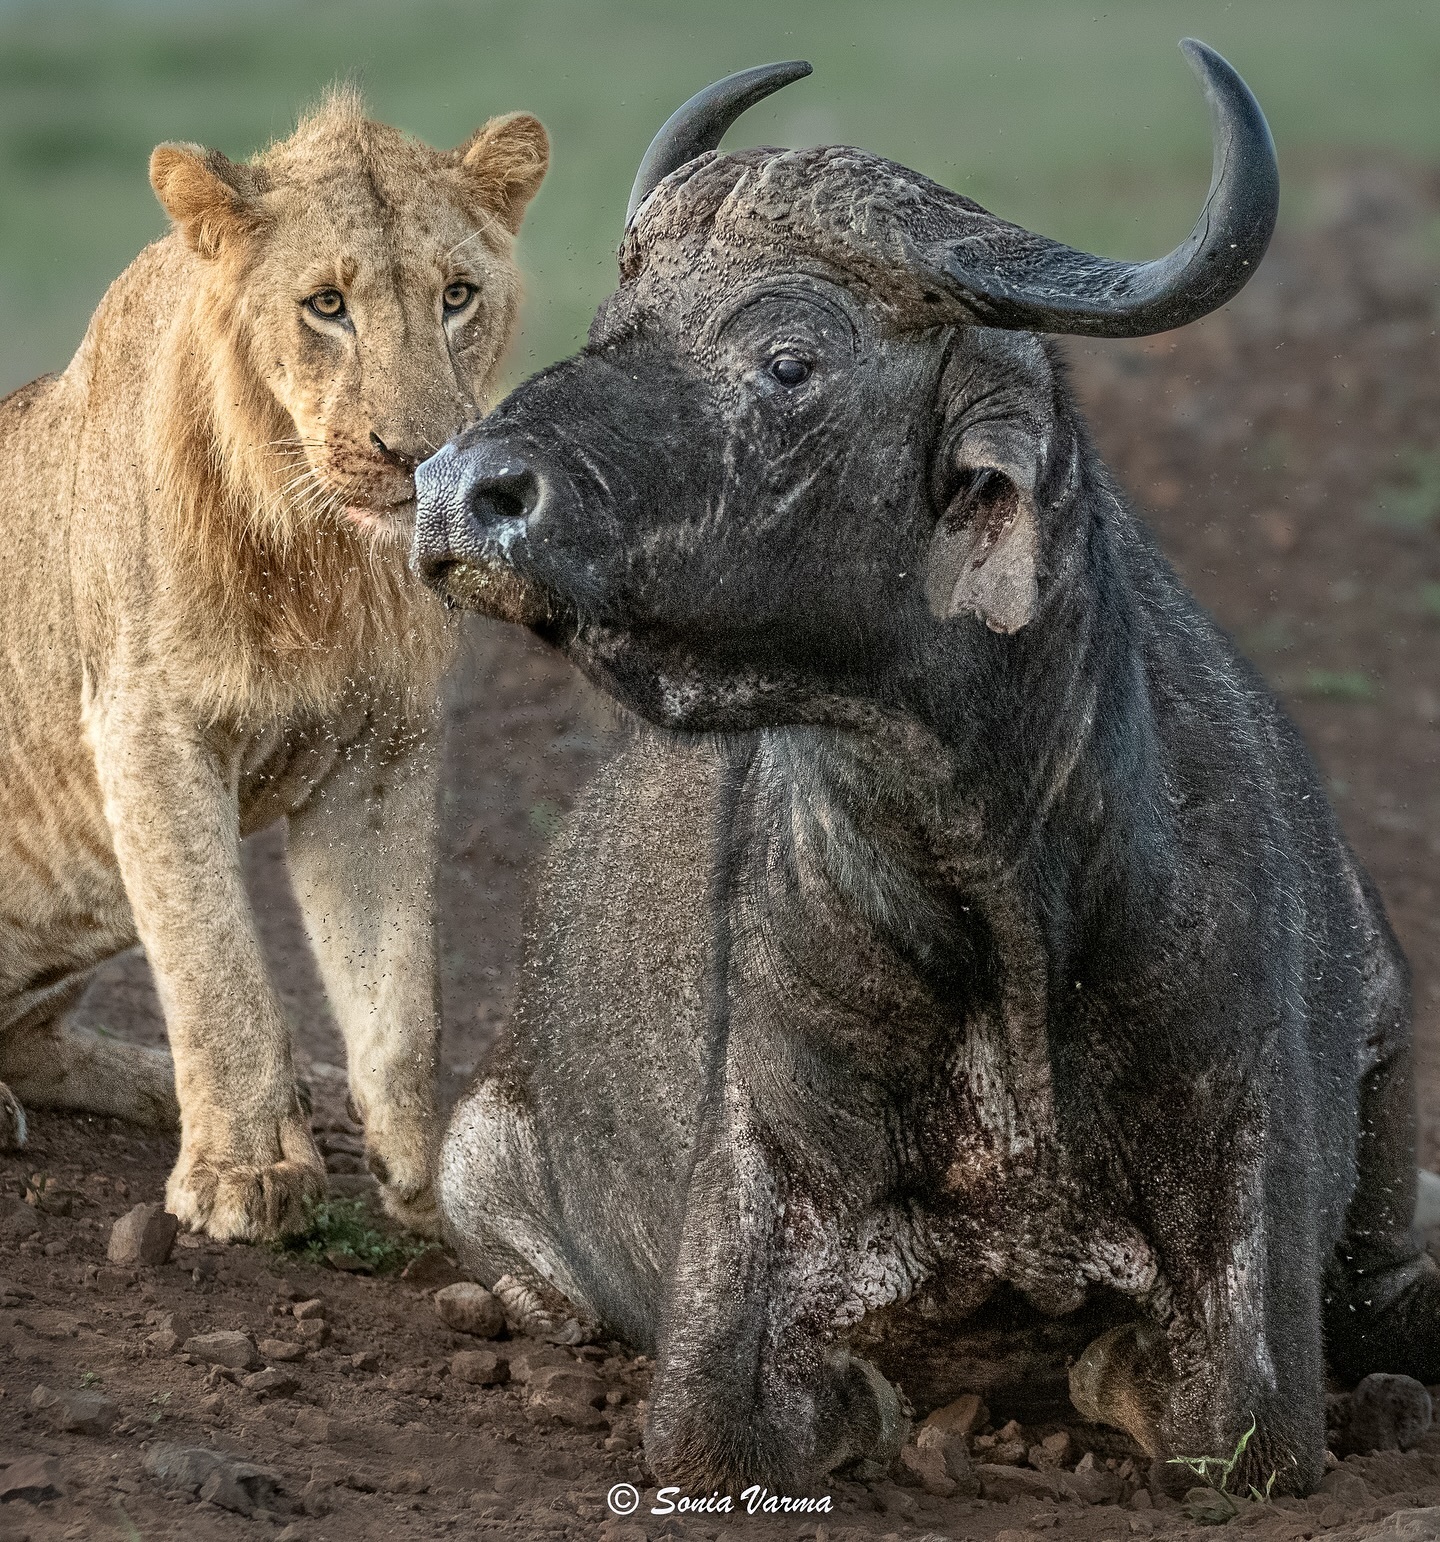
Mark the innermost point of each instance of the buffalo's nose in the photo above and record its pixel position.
(470, 504)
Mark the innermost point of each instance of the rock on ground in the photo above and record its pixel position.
(470, 1308)
(144, 1235)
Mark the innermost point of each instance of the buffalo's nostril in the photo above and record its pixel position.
(501, 499)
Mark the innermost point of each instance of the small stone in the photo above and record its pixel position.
(1053, 1451)
(281, 1350)
(211, 1404)
(316, 1497)
(115, 1279)
(1209, 1507)
(569, 1394)
(952, 1449)
(962, 1417)
(470, 1308)
(366, 1360)
(18, 1220)
(480, 1367)
(32, 1479)
(433, 1270)
(314, 1332)
(306, 1310)
(1387, 1413)
(1008, 1453)
(1141, 1500)
(294, 1532)
(144, 1235)
(270, 1383)
(77, 1413)
(230, 1483)
(924, 1467)
(530, 1359)
(228, 1347)
(1002, 1484)
(1091, 1483)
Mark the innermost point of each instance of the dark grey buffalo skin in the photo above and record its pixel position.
(962, 953)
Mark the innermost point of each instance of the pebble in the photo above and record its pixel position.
(77, 1413)
(305, 1311)
(568, 1393)
(32, 1479)
(270, 1383)
(232, 1484)
(470, 1308)
(228, 1347)
(1387, 1413)
(925, 1466)
(144, 1235)
(954, 1456)
(282, 1350)
(480, 1367)
(314, 1332)
(962, 1417)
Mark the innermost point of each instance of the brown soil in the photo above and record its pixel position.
(1262, 442)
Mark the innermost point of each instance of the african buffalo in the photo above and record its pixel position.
(962, 951)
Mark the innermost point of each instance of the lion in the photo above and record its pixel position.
(208, 624)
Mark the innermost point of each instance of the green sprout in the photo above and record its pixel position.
(338, 1231)
(1215, 1472)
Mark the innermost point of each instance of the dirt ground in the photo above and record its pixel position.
(1288, 452)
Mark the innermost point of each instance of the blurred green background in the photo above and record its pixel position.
(1080, 119)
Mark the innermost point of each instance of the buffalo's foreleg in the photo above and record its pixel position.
(1234, 1343)
(496, 1194)
(1382, 1290)
(748, 1388)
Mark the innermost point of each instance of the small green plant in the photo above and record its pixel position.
(339, 1232)
(1216, 1505)
(1338, 685)
(1412, 500)
(159, 1403)
(89, 1378)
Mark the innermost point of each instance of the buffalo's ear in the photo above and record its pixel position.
(503, 164)
(998, 399)
(209, 196)
(984, 557)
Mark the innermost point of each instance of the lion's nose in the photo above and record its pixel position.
(401, 458)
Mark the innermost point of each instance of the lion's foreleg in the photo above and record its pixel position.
(362, 857)
(248, 1165)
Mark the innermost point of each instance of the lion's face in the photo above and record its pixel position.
(372, 285)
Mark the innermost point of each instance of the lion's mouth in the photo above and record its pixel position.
(383, 522)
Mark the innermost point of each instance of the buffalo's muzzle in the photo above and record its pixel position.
(472, 506)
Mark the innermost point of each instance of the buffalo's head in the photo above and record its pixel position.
(813, 439)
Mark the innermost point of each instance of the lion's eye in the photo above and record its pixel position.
(329, 303)
(789, 370)
(457, 297)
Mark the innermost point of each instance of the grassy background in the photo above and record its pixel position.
(1078, 118)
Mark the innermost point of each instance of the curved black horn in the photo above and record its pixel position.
(1014, 279)
(701, 123)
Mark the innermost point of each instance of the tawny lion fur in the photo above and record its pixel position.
(208, 624)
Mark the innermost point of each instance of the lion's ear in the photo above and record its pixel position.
(207, 195)
(503, 164)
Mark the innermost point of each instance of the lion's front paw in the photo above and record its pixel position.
(12, 1121)
(415, 1208)
(246, 1201)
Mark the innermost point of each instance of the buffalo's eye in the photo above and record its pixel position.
(789, 370)
(457, 297)
(329, 303)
